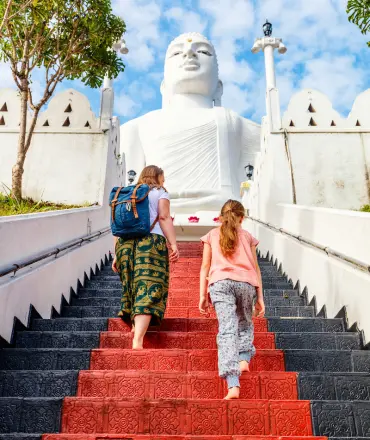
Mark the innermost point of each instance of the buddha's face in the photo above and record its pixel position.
(191, 67)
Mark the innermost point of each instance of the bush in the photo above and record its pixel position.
(365, 208)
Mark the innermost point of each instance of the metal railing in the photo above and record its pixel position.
(357, 263)
(25, 263)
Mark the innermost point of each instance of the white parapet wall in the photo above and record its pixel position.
(27, 236)
(67, 158)
(332, 281)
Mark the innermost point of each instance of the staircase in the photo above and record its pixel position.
(309, 378)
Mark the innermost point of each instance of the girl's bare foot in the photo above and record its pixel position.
(233, 393)
(137, 344)
(244, 366)
(133, 329)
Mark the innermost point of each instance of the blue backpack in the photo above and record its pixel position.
(130, 216)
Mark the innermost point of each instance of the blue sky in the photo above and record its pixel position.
(325, 52)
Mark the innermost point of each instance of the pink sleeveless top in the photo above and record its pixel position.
(238, 267)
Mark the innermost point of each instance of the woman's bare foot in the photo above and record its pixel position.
(244, 366)
(233, 393)
(133, 329)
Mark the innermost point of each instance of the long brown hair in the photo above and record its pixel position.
(150, 175)
(231, 215)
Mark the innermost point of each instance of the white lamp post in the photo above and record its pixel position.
(268, 44)
(119, 46)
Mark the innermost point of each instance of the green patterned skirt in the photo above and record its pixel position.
(144, 271)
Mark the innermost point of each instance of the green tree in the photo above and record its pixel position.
(5, 8)
(359, 13)
(67, 39)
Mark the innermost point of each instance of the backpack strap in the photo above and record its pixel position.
(114, 201)
(134, 200)
(154, 223)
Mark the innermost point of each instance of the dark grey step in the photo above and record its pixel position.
(38, 383)
(44, 359)
(116, 301)
(327, 360)
(34, 339)
(306, 325)
(90, 312)
(288, 293)
(318, 341)
(30, 415)
(19, 436)
(334, 386)
(110, 312)
(71, 324)
(277, 285)
(341, 419)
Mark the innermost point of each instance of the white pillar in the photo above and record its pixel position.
(270, 67)
(268, 45)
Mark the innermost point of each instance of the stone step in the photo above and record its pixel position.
(153, 339)
(44, 359)
(112, 293)
(38, 383)
(178, 340)
(176, 360)
(327, 360)
(318, 341)
(316, 325)
(96, 284)
(184, 301)
(105, 436)
(19, 436)
(71, 324)
(30, 415)
(334, 386)
(160, 385)
(178, 417)
(180, 312)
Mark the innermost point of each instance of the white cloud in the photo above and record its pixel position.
(6, 78)
(235, 98)
(187, 21)
(125, 106)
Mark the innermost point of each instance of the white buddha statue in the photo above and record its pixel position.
(201, 146)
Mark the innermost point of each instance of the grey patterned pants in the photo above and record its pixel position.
(233, 302)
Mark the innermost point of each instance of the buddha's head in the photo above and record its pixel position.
(191, 67)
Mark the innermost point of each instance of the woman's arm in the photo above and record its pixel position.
(204, 271)
(114, 264)
(167, 227)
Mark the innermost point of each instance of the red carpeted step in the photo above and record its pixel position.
(156, 385)
(187, 312)
(178, 340)
(185, 325)
(178, 417)
(170, 437)
(176, 360)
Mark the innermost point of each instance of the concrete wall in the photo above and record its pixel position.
(65, 164)
(21, 237)
(334, 283)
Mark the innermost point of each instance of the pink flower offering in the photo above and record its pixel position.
(216, 219)
(193, 219)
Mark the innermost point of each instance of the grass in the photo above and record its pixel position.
(11, 206)
(365, 208)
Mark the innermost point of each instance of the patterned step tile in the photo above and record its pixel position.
(170, 437)
(305, 325)
(38, 383)
(89, 312)
(178, 340)
(318, 341)
(19, 436)
(70, 324)
(176, 360)
(341, 419)
(185, 325)
(34, 339)
(195, 417)
(327, 360)
(44, 359)
(154, 385)
(334, 386)
(30, 415)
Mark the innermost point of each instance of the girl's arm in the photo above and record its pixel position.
(167, 227)
(204, 271)
(260, 304)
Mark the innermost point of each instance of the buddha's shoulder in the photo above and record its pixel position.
(136, 123)
(233, 115)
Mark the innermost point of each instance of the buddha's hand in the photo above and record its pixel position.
(174, 253)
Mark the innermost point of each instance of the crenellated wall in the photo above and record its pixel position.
(319, 156)
(67, 160)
